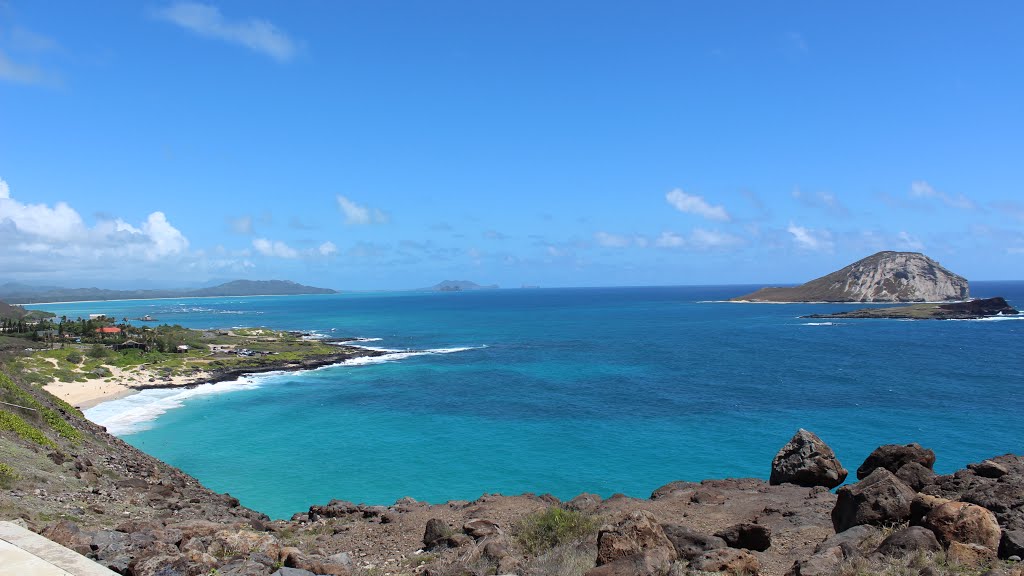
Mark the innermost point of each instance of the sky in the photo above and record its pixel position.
(382, 144)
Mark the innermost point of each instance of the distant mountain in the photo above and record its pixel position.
(260, 288)
(458, 286)
(25, 294)
(882, 277)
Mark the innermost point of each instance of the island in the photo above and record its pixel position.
(883, 277)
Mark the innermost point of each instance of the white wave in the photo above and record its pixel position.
(136, 413)
(820, 324)
(996, 318)
(394, 355)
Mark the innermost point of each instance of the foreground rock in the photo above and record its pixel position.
(879, 499)
(807, 461)
(882, 277)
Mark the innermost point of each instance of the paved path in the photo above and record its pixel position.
(25, 553)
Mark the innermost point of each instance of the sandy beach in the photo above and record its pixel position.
(121, 382)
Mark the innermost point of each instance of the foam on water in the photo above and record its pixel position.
(137, 412)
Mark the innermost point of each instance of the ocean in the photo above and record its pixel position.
(565, 391)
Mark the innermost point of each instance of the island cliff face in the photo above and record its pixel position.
(882, 277)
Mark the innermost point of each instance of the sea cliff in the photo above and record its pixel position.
(69, 480)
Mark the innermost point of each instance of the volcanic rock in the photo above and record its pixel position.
(881, 498)
(807, 461)
(747, 535)
(728, 561)
(964, 523)
(909, 540)
(634, 534)
(690, 544)
(892, 457)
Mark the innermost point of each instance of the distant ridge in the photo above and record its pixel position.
(882, 277)
(26, 294)
(458, 286)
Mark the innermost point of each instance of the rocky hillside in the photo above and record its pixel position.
(71, 481)
(882, 277)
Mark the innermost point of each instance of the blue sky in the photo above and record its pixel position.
(384, 144)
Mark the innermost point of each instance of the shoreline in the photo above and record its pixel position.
(91, 392)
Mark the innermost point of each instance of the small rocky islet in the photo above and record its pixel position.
(138, 516)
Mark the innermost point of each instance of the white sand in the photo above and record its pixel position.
(122, 382)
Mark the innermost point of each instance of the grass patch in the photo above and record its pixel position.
(8, 476)
(18, 425)
(552, 527)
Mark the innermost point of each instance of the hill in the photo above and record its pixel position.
(458, 286)
(26, 294)
(9, 312)
(882, 277)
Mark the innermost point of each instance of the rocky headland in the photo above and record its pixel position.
(882, 277)
(68, 479)
(970, 310)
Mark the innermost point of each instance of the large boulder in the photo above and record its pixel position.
(892, 457)
(807, 461)
(881, 498)
(908, 540)
(690, 544)
(747, 535)
(915, 475)
(1012, 544)
(964, 523)
(633, 535)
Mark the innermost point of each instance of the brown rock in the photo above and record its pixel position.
(68, 534)
(747, 535)
(892, 457)
(964, 523)
(634, 534)
(915, 475)
(922, 504)
(228, 543)
(690, 544)
(989, 469)
(807, 461)
(655, 562)
(728, 561)
(481, 528)
(912, 539)
(1012, 544)
(823, 563)
(881, 498)
(969, 554)
(436, 533)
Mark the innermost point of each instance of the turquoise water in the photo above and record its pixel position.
(568, 390)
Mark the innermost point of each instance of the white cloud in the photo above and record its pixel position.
(922, 189)
(825, 201)
(909, 242)
(11, 71)
(61, 238)
(612, 240)
(327, 249)
(711, 239)
(166, 238)
(813, 240)
(206, 20)
(670, 240)
(242, 225)
(274, 248)
(698, 239)
(693, 204)
(358, 215)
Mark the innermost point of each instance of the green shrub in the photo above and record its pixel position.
(61, 426)
(74, 358)
(16, 424)
(7, 476)
(552, 527)
(97, 351)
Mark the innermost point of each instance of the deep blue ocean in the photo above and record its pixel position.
(566, 391)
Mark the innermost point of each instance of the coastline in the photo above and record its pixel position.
(91, 392)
